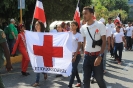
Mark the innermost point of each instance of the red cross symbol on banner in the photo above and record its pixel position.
(48, 51)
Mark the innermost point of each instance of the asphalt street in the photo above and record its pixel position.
(117, 76)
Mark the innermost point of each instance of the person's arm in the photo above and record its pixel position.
(13, 35)
(109, 42)
(6, 52)
(103, 36)
(4, 45)
(76, 53)
(124, 40)
(16, 45)
(84, 43)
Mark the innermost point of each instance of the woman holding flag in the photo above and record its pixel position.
(39, 27)
(21, 45)
(77, 42)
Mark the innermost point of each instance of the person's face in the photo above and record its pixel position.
(59, 29)
(73, 27)
(13, 22)
(129, 25)
(87, 15)
(37, 26)
(109, 20)
(117, 29)
(23, 28)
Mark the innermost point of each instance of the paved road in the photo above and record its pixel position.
(117, 76)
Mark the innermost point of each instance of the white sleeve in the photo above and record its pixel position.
(82, 32)
(102, 29)
(80, 38)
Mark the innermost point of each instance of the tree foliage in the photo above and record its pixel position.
(110, 8)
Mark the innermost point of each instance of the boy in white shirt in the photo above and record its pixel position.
(129, 35)
(118, 39)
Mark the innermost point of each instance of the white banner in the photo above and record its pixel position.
(50, 52)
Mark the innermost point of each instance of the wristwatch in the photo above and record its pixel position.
(101, 55)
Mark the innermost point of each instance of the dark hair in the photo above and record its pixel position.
(41, 25)
(74, 22)
(20, 26)
(109, 18)
(63, 24)
(118, 26)
(91, 10)
(129, 23)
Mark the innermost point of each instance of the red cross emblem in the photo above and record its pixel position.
(48, 51)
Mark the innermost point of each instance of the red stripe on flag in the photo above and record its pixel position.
(40, 14)
(77, 17)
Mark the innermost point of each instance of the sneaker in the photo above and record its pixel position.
(92, 80)
(78, 85)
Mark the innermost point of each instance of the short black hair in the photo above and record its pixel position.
(91, 10)
(109, 18)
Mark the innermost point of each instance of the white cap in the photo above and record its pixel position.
(12, 20)
(102, 20)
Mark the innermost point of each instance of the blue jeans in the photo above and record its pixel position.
(88, 67)
(119, 47)
(11, 44)
(75, 71)
(37, 77)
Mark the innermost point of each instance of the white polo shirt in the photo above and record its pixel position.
(76, 39)
(118, 37)
(110, 26)
(93, 28)
(129, 31)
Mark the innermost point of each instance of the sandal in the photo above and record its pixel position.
(35, 84)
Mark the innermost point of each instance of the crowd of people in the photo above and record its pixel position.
(94, 37)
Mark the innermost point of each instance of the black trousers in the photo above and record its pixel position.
(129, 42)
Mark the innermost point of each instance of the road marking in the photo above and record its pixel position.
(127, 67)
(109, 86)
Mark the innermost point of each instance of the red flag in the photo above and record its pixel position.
(77, 16)
(118, 19)
(39, 12)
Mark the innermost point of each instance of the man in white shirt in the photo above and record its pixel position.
(129, 35)
(110, 27)
(118, 39)
(93, 32)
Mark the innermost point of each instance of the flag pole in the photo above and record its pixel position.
(33, 17)
(20, 12)
(78, 2)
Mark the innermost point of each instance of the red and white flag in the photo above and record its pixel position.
(118, 19)
(39, 12)
(50, 52)
(77, 16)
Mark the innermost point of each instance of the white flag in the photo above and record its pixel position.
(50, 52)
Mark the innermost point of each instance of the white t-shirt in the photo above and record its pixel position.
(76, 38)
(118, 37)
(108, 33)
(54, 30)
(110, 26)
(95, 27)
(129, 31)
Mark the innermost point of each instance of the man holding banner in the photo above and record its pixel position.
(94, 34)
